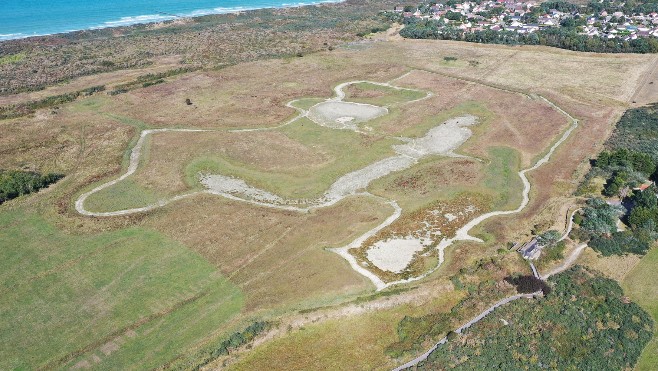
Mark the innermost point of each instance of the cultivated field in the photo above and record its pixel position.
(286, 151)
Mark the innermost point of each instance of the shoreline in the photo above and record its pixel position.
(164, 18)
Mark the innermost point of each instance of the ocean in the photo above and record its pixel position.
(24, 18)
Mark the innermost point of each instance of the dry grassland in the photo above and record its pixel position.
(334, 343)
(169, 155)
(109, 79)
(592, 87)
(277, 258)
(615, 267)
(244, 96)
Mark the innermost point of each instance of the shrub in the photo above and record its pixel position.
(16, 183)
(619, 243)
(528, 284)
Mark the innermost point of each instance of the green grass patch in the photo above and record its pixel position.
(12, 58)
(642, 287)
(63, 297)
(384, 95)
(126, 194)
(502, 178)
(346, 151)
(139, 125)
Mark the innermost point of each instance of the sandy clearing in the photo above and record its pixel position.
(226, 184)
(395, 254)
(344, 115)
(440, 140)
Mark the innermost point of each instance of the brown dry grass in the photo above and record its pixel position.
(277, 257)
(244, 96)
(109, 79)
(169, 153)
(513, 120)
(615, 267)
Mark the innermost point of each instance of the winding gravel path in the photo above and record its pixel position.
(137, 150)
(135, 155)
(462, 234)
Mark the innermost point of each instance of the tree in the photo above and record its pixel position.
(615, 184)
(453, 16)
(15, 183)
(549, 238)
(646, 198)
(599, 217)
(528, 284)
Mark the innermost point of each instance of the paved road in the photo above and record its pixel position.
(468, 324)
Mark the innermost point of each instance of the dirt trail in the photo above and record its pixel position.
(135, 156)
(468, 324)
(442, 140)
(228, 187)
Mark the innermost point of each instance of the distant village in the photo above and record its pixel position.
(523, 17)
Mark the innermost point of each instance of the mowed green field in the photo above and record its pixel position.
(130, 299)
(641, 285)
(123, 195)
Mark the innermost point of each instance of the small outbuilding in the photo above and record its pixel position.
(531, 250)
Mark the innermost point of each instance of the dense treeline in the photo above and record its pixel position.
(565, 37)
(629, 166)
(637, 130)
(583, 324)
(562, 37)
(598, 225)
(15, 183)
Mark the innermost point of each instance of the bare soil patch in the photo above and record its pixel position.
(344, 115)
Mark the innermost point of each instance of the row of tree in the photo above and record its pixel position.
(562, 37)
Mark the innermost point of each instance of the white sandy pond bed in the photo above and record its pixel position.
(344, 115)
(395, 254)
